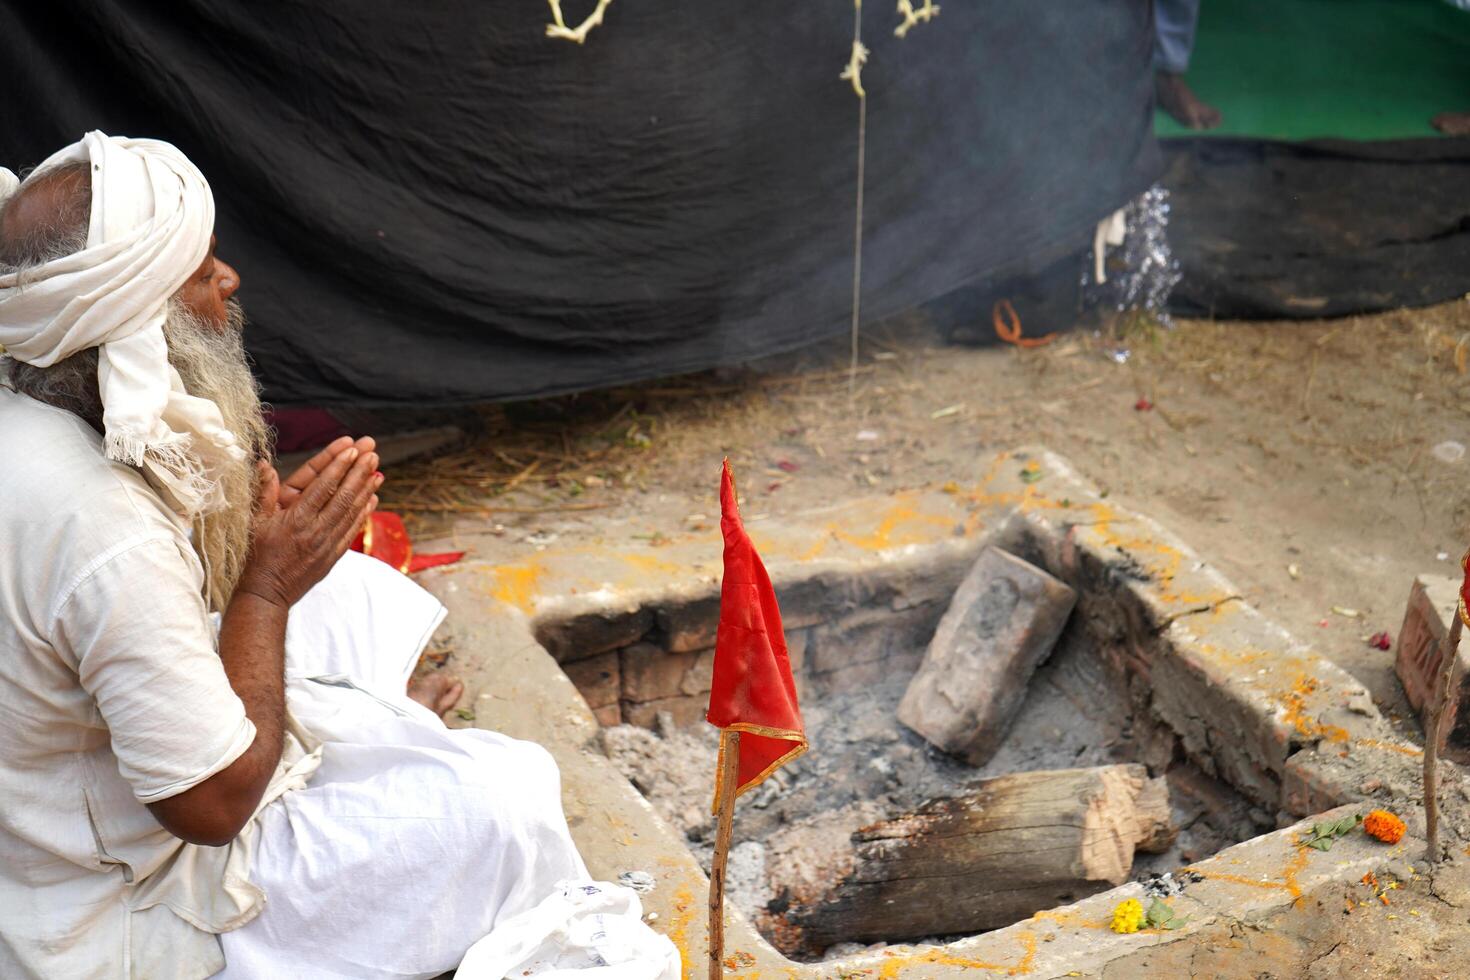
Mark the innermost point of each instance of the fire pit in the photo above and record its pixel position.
(1162, 672)
(796, 869)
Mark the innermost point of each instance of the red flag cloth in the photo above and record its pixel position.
(385, 538)
(418, 563)
(752, 691)
(1464, 609)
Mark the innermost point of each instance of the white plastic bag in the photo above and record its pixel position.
(586, 930)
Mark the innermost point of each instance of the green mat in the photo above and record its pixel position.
(1350, 69)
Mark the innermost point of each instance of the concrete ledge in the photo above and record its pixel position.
(1243, 885)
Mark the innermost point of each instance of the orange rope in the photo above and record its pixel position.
(1010, 332)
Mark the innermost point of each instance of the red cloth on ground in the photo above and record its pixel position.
(385, 538)
(1464, 609)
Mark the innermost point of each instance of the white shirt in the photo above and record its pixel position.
(112, 696)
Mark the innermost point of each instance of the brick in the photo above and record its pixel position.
(1317, 780)
(587, 635)
(1416, 656)
(700, 676)
(1003, 622)
(609, 715)
(650, 672)
(796, 646)
(814, 599)
(799, 619)
(905, 661)
(693, 626)
(688, 627)
(850, 678)
(687, 711)
(870, 635)
(1432, 603)
(598, 678)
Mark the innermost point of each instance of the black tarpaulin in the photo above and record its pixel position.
(1271, 230)
(435, 203)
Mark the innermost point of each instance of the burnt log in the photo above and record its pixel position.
(1009, 848)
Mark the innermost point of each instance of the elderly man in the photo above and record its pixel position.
(263, 796)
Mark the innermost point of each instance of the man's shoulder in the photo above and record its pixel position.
(52, 466)
(48, 448)
(22, 413)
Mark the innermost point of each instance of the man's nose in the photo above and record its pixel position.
(229, 279)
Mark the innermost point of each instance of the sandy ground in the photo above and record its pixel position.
(1299, 457)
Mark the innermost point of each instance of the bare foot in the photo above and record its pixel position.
(1452, 123)
(435, 691)
(1179, 101)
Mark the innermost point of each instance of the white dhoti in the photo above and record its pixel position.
(412, 841)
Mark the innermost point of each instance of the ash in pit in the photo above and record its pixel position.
(793, 843)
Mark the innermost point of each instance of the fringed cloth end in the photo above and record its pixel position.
(175, 465)
(798, 747)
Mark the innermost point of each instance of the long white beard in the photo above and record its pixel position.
(212, 364)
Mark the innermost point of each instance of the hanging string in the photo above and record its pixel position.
(854, 74)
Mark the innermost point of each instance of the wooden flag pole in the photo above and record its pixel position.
(1434, 733)
(729, 774)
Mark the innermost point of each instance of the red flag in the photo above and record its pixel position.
(752, 692)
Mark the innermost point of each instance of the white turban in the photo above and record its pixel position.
(152, 216)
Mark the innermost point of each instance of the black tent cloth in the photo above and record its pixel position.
(434, 203)
(1268, 230)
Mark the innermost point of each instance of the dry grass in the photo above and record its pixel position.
(1376, 392)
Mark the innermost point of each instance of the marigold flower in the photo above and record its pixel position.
(1385, 826)
(1128, 916)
